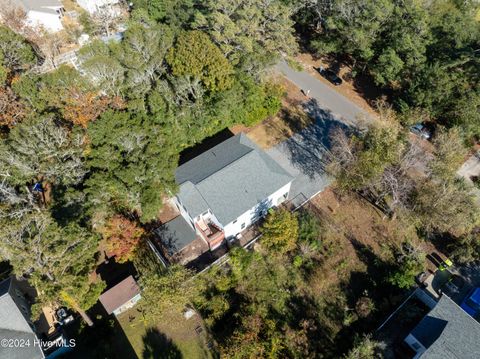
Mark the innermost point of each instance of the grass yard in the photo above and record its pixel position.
(173, 336)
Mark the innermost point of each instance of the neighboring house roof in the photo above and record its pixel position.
(448, 332)
(13, 325)
(47, 6)
(229, 179)
(120, 294)
(176, 235)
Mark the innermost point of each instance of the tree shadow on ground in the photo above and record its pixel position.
(371, 283)
(106, 339)
(157, 345)
(308, 148)
(113, 272)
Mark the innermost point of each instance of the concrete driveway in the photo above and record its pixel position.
(304, 154)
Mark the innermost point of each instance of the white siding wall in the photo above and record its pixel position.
(50, 22)
(250, 216)
(183, 212)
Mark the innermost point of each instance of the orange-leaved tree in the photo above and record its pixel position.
(81, 107)
(12, 110)
(122, 237)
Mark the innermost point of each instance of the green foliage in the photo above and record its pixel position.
(280, 231)
(361, 160)
(404, 277)
(88, 25)
(410, 262)
(465, 114)
(16, 54)
(424, 52)
(132, 163)
(58, 259)
(309, 228)
(171, 289)
(364, 348)
(450, 154)
(175, 13)
(46, 92)
(256, 293)
(194, 55)
(42, 149)
(446, 206)
(243, 29)
(466, 250)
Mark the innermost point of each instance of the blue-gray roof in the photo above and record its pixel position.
(448, 332)
(176, 235)
(13, 325)
(229, 179)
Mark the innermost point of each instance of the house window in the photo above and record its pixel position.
(243, 225)
(285, 195)
(205, 213)
(235, 221)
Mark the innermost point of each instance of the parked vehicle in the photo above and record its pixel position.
(421, 130)
(63, 316)
(330, 76)
(471, 304)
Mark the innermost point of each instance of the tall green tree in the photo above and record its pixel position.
(132, 163)
(449, 155)
(245, 28)
(446, 206)
(195, 56)
(359, 161)
(171, 289)
(58, 260)
(280, 231)
(16, 54)
(43, 149)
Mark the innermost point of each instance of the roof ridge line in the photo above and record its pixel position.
(227, 165)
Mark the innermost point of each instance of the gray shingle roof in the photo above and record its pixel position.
(230, 179)
(13, 325)
(448, 332)
(176, 235)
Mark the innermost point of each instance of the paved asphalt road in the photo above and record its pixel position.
(326, 97)
(303, 154)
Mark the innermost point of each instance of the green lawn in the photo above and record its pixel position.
(172, 337)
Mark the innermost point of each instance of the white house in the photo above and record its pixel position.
(225, 190)
(91, 6)
(45, 13)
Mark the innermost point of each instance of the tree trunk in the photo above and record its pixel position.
(85, 317)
